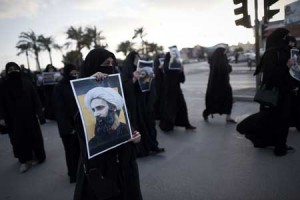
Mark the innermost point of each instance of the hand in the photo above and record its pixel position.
(2, 122)
(290, 63)
(160, 66)
(136, 137)
(136, 76)
(99, 76)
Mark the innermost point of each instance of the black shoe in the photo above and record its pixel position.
(205, 116)
(190, 127)
(283, 151)
(158, 150)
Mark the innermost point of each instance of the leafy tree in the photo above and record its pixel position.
(79, 36)
(95, 37)
(24, 48)
(140, 32)
(73, 57)
(46, 43)
(152, 48)
(31, 39)
(125, 47)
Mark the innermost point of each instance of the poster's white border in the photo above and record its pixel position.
(138, 67)
(180, 68)
(82, 119)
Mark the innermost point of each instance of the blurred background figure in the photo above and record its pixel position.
(65, 110)
(20, 107)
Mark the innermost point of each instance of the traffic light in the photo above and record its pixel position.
(245, 20)
(268, 12)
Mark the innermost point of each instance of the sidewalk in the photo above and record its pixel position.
(246, 94)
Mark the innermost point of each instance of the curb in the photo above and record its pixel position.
(243, 98)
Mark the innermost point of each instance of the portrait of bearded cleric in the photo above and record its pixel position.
(105, 104)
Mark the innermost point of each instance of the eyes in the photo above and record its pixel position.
(98, 108)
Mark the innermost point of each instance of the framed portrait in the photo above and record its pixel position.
(175, 62)
(146, 74)
(295, 69)
(51, 78)
(103, 113)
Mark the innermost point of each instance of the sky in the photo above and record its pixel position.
(166, 22)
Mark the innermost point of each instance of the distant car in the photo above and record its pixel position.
(243, 57)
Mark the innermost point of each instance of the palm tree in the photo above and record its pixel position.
(125, 47)
(73, 57)
(24, 48)
(46, 43)
(140, 32)
(31, 39)
(80, 38)
(95, 37)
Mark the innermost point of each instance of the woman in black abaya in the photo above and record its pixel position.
(218, 99)
(174, 109)
(112, 175)
(140, 106)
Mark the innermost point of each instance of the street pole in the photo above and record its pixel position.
(257, 42)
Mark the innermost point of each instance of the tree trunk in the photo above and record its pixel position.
(27, 58)
(37, 62)
(49, 51)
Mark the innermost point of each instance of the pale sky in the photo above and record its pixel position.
(184, 23)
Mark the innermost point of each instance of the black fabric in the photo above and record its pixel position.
(93, 60)
(218, 98)
(158, 82)
(19, 113)
(140, 107)
(174, 108)
(112, 175)
(273, 65)
(65, 110)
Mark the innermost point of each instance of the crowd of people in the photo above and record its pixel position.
(25, 104)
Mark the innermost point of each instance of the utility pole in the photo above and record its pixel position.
(257, 54)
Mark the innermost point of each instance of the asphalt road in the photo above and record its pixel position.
(212, 163)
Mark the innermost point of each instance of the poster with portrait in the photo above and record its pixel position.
(161, 61)
(145, 68)
(51, 78)
(295, 68)
(103, 113)
(175, 63)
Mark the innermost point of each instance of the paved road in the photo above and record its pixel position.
(212, 163)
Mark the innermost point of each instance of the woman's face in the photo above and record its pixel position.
(108, 62)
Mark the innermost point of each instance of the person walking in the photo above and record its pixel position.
(174, 108)
(140, 106)
(274, 66)
(218, 98)
(20, 107)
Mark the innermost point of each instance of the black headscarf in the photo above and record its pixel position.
(219, 57)
(48, 67)
(277, 38)
(93, 61)
(15, 86)
(129, 61)
(67, 69)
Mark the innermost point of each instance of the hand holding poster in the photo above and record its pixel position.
(145, 69)
(175, 63)
(295, 68)
(103, 113)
